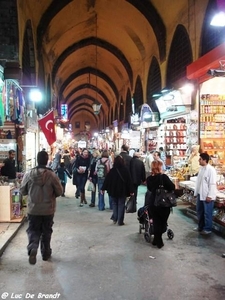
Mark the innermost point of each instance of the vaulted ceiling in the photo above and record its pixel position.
(95, 49)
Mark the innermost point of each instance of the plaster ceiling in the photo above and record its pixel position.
(95, 49)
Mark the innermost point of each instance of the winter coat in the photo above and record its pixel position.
(127, 158)
(93, 167)
(56, 161)
(66, 158)
(42, 186)
(153, 183)
(82, 161)
(9, 168)
(118, 184)
(62, 174)
(137, 170)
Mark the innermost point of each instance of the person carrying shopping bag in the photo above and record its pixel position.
(119, 186)
(93, 175)
(160, 215)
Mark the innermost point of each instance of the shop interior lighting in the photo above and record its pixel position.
(187, 88)
(219, 19)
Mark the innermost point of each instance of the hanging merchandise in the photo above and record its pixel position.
(212, 110)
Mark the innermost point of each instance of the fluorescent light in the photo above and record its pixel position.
(218, 19)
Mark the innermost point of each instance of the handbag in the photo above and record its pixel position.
(91, 187)
(131, 205)
(164, 198)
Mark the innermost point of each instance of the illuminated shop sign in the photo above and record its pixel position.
(64, 112)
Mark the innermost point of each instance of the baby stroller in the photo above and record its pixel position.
(146, 222)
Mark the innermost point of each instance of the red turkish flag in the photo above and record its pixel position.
(48, 127)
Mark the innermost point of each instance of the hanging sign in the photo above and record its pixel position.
(64, 112)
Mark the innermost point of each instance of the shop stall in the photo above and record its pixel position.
(175, 109)
(219, 206)
(209, 72)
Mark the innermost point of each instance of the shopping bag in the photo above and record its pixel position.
(131, 205)
(163, 198)
(91, 187)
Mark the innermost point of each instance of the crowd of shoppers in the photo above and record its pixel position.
(123, 175)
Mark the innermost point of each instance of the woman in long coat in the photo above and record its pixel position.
(82, 166)
(160, 215)
(119, 185)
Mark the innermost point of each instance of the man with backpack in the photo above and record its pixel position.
(102, 168)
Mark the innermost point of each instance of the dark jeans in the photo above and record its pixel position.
(81, 181)
(64, 188)
(135, 190)
(118, 209)
(204, 214)
(101, 197)
(160, 216)
(40, 231)
(93, 194)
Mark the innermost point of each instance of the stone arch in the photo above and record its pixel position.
(121, 113)
(128, 107)
(154, 83)
(138, 94)
(180, 56)
(28, 56)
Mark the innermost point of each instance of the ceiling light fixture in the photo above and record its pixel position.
(218, 20)
(96, 105)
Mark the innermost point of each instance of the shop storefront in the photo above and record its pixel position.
(175, 109)
(209, 72)
(12, 130)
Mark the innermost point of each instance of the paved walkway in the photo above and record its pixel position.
(96, 260)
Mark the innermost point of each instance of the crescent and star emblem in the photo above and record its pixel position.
(47, 123)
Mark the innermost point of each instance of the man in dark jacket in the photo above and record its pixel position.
(9, 168)
(125, 155)
(137, 172)
(42, 186)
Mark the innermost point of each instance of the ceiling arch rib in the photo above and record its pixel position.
(96, 42)
(88, 86)
(90, 70)
(85, 100)
(148, 10)
(54, 8)
(144, 7)
(88, 99)
(80, 101)
(96, 97)
(87, 108)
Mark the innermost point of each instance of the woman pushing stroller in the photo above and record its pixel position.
(160, 215)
